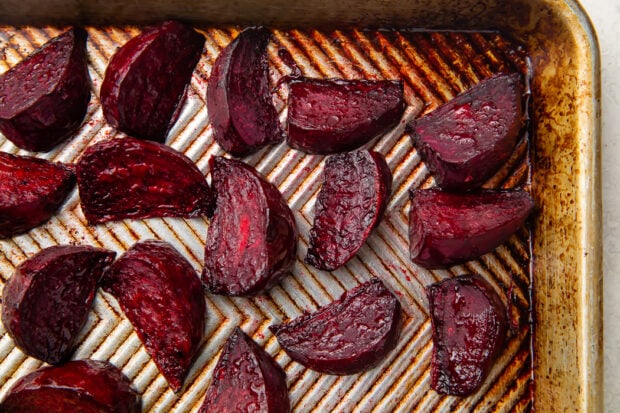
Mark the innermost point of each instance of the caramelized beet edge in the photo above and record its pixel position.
(347, 336)
(252, 239)
(447, 229)
(239, 97)
(351, 202)
(469, 329)
(131, 178)
(47, 300)
(337, 115)
(146, 80)
(466, 140)
(44, 98)
(31, 191)
(246, 378)
(161, 295)
(87, 386)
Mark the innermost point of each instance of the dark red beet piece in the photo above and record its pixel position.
(84, 386)
(351, 202)
(336, 115)
(447, 229)
(161, 295)
(466, 140)
(131, 178)
(145, 82)
(252, 239)
(31, 191)
(47, 300)
(469, 329)
(43, 99)
(347, 336)
(246, 379)
(239, 99)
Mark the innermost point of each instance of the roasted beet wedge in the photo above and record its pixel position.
(84, 386)
(145, 82)
(46, 302)
(337, 115)
(131, 178)
(246, 379)
(239, 99)
(252, 239)
(466, 140)
(469, 329)
(31, 191)
(447, 229)
(161, 295)
(43, 99)
(348, 336)
(356, 188)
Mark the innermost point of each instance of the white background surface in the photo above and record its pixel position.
(605, 15)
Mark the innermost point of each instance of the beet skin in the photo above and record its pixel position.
(466, 140)
(46, 302)
(336, 115)
(347, 336)
(161, 295)
(131, 178)
(355, 192)
(43, 99)
(447, 229)
(246, 379)
(239, 100)
(146, 80)
(469, 329)
(252, 239)
(84, 386)
(31, 191)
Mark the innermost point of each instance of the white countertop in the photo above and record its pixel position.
(605, 15)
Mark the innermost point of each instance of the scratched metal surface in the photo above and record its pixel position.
(435, 67)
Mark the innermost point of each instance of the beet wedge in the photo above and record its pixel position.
(161, 295)
(246, 379)
(146, 80)
(351, 202)
(131, 178)
(84, 386)
(239, 100)
(46, 302)
(336, 115)
(447, 229)
(31, 191)
(44, 98)
(466, 140)
(252, 240)
(469, 329)
(348, 336)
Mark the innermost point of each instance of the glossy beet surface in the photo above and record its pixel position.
(336, 115)
(252, 239)
(131, 178)
(469, 329)
(466, 140)
(46, 302)
(347, 336)
(161, 295)
(84, 386)
(356, 188)
(246, 379)
(31, 191)
(447, 229)
(239, 98)
(43, 99)
(145, 82)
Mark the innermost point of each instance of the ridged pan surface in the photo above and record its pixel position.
(435, 67)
